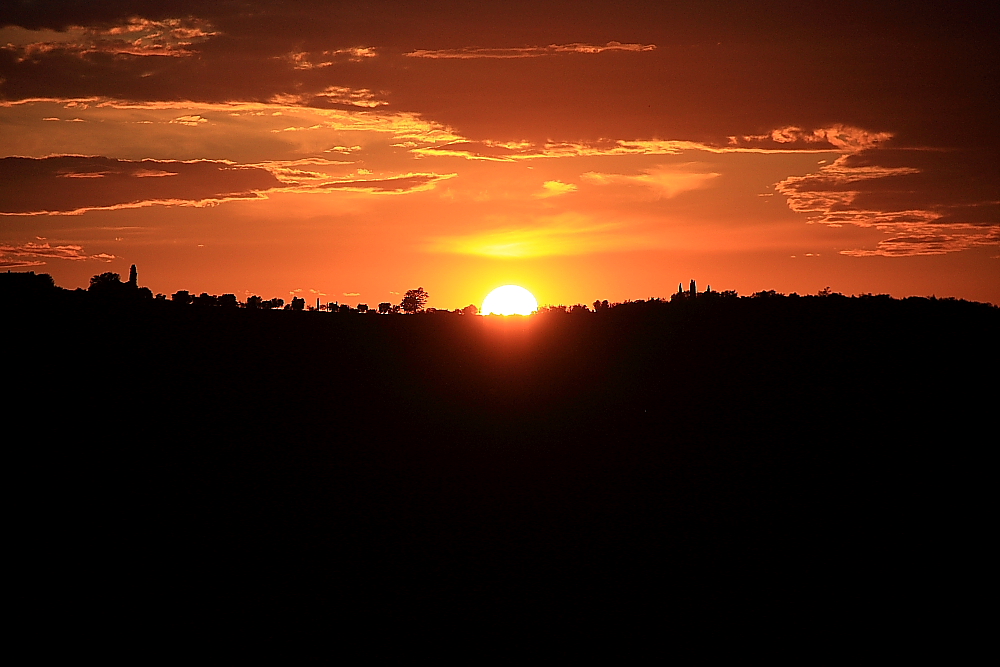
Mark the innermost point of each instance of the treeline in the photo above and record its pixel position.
(108, 287)
(703, 459)
(25, 287)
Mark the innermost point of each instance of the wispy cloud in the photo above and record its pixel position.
(35, 254)
(663, 181)
(362, 116)
(528, 51)
(74, 184)
(918, 198)
(18, 263)
(525, 150)
(193, 120)
(930, 239)
(392, 185)
(137, 37)
(836, 137)
(785, 140)
(360, 97)
(554, 189)
(305, 172)
(309, 60)
(339, 95)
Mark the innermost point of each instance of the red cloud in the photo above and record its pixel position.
(34, 254)
(137, 37)
(528, 51)
(927, 201)
(392, 185)
(74, 184)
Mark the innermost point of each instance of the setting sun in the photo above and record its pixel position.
(509, 300)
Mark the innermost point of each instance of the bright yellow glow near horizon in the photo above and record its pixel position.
(509, 300)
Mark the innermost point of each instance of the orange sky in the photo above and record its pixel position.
(581, 150)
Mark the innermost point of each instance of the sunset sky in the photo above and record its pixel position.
(584, 150)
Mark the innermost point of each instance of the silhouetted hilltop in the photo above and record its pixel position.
(717, 459)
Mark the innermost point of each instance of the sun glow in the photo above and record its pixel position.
(509, 300)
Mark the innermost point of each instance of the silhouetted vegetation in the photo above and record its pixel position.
(414, 300)
(109, 286)
(706, 458)
(18, 289)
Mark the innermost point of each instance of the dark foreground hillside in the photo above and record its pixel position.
(808, 463)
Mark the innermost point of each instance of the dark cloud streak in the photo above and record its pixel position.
(394, 185)
(929, 201)
(35, 254)
(528, 51)
(71, 184)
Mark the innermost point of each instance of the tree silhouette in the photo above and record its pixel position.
(105, 282)
(384, 307)
(23, 288)
(414, 300)
(182, 297)
(298, 303)
(206, 299)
